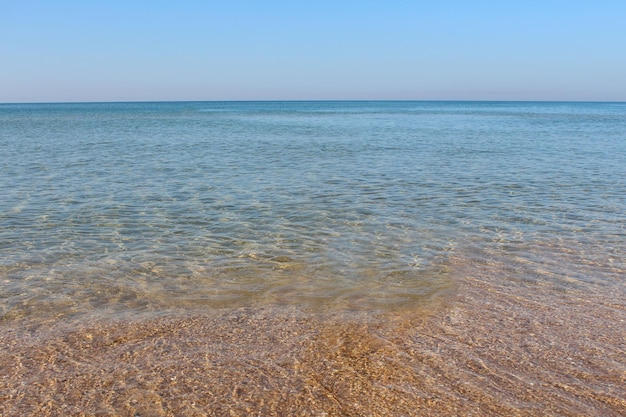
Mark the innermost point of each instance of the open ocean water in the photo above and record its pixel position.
(118, 210)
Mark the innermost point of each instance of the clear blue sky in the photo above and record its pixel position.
(62, 50)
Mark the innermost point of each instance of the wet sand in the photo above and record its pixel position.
(495, 347)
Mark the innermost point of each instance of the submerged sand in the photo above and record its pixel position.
(494, 348)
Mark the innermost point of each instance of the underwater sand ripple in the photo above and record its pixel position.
(495, 350)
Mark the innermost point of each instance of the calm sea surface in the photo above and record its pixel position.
(157, 206)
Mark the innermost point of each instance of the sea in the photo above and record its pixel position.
(114, 211)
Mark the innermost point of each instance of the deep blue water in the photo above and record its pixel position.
(212, 204)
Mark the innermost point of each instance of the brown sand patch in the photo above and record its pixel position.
(518, 349)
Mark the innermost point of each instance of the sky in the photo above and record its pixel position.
(156, 50)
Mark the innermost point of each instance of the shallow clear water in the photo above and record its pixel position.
(359, 205)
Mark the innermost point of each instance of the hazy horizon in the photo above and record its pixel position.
(312, 101)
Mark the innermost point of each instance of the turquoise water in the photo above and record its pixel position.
(158, 206)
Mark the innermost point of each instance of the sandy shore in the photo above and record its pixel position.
(520, 349)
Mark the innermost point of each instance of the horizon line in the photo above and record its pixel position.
(310, 101)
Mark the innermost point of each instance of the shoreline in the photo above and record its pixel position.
(496, 348)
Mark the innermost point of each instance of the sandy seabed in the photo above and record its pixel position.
(514, 349)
